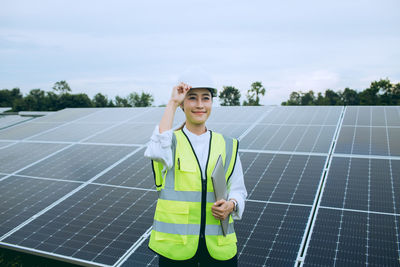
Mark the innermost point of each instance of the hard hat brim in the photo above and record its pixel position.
(213, 91)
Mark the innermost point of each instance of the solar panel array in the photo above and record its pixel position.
(323, 185)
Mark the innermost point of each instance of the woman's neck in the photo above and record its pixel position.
(197, 129)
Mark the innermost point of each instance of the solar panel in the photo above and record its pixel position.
(4, 144)
(23, 197)
(289, 138)
(323, 185)
(95, 225)
(67, 115)
(21, 155)
(72, 132)
(348, 238)
(25, 130)
(78, 163)
(282, 178)
(10, 120)
(134, 172)
(363, 184)
(128, 133)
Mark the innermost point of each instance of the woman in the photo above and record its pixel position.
(186, 229)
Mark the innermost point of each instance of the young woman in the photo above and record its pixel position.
(186, 229)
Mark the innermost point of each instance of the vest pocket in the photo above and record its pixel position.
(171, 221)
(226, 240)
(172, 238)
(187, 178)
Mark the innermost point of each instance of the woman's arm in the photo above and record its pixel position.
(159, 147)
(177, 97)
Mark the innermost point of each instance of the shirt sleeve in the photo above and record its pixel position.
(237, 189)
(159, 147)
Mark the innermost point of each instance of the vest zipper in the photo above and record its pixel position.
(203, 187)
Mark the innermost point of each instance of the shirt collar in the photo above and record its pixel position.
(195, 136)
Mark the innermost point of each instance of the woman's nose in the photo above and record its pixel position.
(199, 103)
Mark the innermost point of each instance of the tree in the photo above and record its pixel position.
(332, 98)
(307, 98)
(8, 97)
(321, 100)
(230, 96)
(253, 98)
(121, 102)
(143, 100)
(396, 94)
(52, 101)
(35, 100)
(75, 101)
(100, 100)
(385, 91)
(61, 87)
(294, 99)
(350, 97)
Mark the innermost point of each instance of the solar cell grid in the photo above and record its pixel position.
(4, 144)
(114, 115)
(393, 116)
(368, 141)
(346, 238)
(25, 130)
(22, 198)
(231, 130)
(78, 163)
(363, 184)
(372, 116)
(237, 114)
(143, 256)
(19, 155)
(132, 133)
(97, 224)
(274, 238)
(9, 120)
(282, 178)
(72, 132)
(289, 138)
(136, 171)
(154, 115)
(67, 115)
(303, 115)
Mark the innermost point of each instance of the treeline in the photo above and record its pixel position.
(381, 92)
(61, 97)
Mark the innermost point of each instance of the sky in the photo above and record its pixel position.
(119, 47)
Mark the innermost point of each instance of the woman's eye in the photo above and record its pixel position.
(206, 98)
(192, 98)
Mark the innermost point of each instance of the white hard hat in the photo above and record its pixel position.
(198, 78)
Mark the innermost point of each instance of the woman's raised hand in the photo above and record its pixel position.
(179, 92)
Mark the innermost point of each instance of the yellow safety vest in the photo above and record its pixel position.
(185, 201)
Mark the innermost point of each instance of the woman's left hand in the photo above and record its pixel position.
(222, 208)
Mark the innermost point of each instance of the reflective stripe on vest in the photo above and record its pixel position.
(177, 218)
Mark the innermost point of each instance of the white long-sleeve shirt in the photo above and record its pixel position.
(159, 149)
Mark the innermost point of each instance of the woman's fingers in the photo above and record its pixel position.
(220, 209)
(179, 92)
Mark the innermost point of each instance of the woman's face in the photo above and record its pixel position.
(197, 106)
